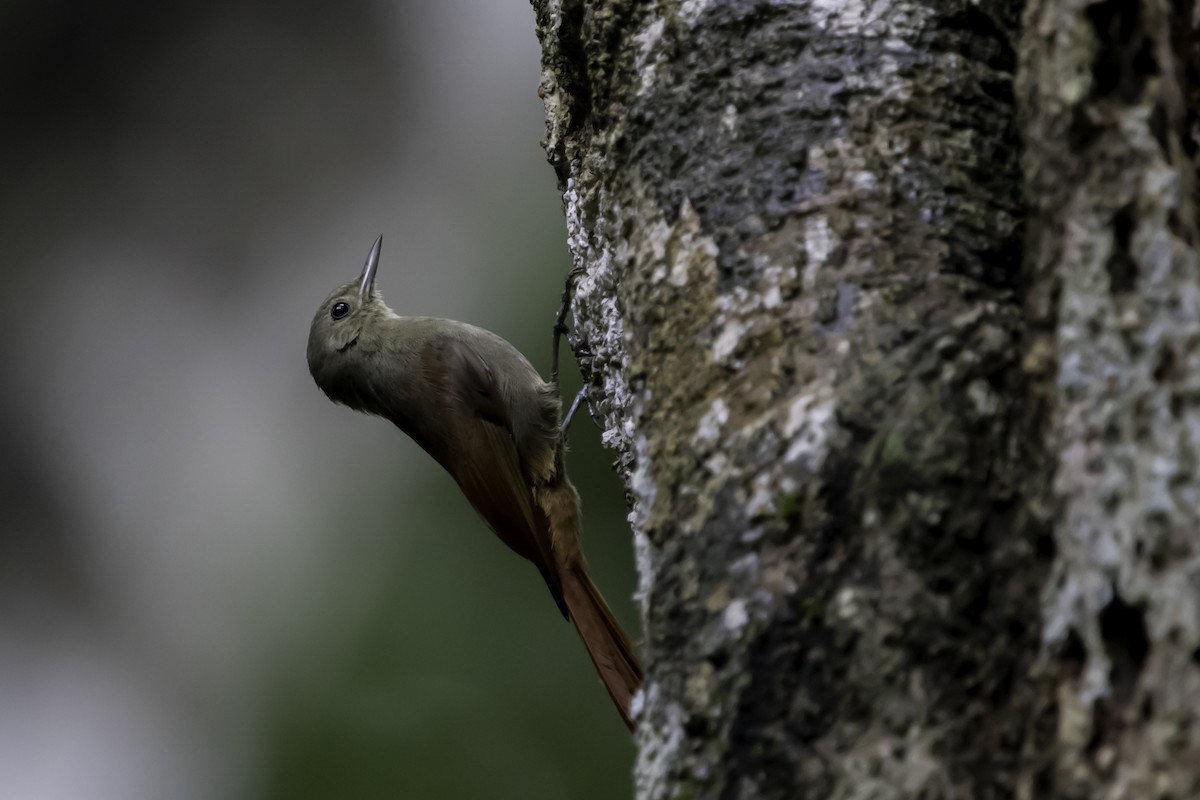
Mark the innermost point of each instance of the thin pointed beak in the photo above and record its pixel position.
(366, 282)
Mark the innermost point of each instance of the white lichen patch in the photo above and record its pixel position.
(883, 765)
(716, 463)
(895, 88)
(848, 606)
(740, 308)
(611, 439)
(864, 181)
(690, 10)
(596, 311)
(772, 297)
(840, 15)
(638, 704)
(708, 432)
(660, 744)
(984, 401)
(641, 482)
(736, 616)
(751, 535)
(645, 557)
(729, 119)
(649, 54)
(809, 427)
(738, 300)
(819, 242)
(681, 252)
(728, 339)
(617, 393)
(577, 236)
(762, 497)
(877, 18)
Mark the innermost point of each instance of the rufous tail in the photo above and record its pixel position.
(606, 643)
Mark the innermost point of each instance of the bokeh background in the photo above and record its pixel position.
(213, 582)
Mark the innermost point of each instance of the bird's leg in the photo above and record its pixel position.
(571, 412)
(560, 328)
(560, 321)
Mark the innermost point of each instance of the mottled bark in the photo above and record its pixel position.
(838, 399)
(1115, 330)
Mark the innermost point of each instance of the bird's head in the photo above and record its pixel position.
(346, 317)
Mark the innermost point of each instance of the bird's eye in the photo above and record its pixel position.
(339, 310)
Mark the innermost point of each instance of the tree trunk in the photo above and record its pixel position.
(911, 520)
(1114, 326)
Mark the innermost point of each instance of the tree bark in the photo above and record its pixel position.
(1114, 322)
(911, 520)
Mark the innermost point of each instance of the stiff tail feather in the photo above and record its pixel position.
(607, 645)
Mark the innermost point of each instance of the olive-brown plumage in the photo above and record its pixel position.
(474, 403)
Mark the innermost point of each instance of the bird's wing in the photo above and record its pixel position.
(486, 465)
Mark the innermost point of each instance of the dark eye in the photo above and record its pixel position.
(339, 310)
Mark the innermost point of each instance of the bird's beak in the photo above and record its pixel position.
(366, 282)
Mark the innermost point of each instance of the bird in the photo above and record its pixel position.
(473, 402)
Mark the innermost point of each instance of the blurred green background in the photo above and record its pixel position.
(213, 582)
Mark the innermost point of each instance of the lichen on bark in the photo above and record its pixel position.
(1110, 166)
(911, 520)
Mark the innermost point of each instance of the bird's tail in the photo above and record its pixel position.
(607, 645)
